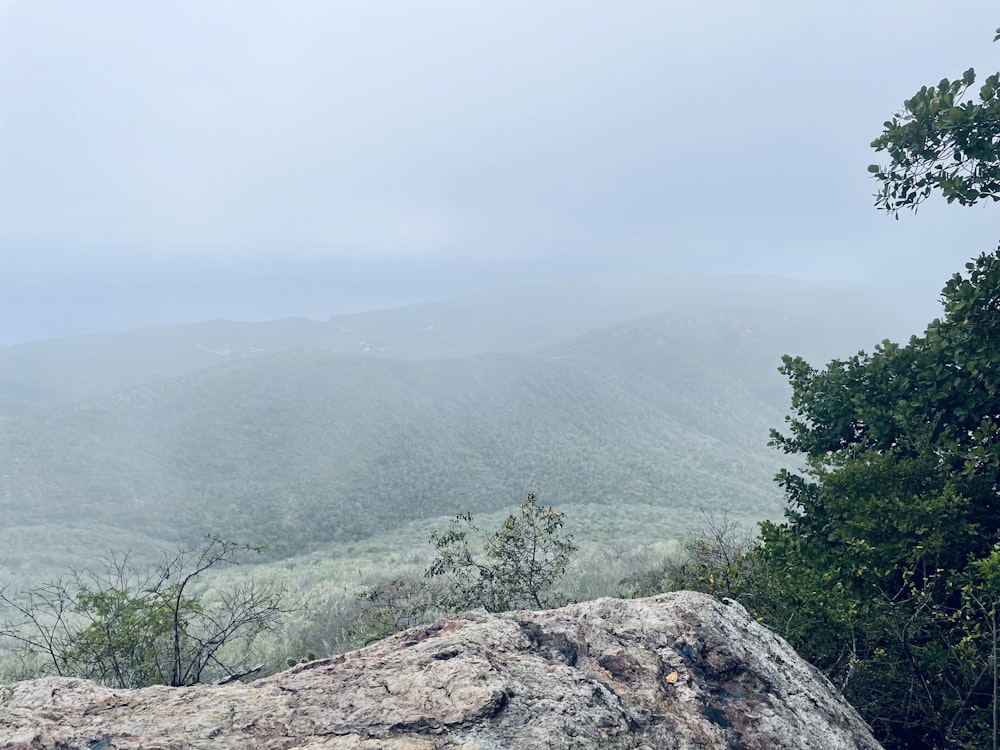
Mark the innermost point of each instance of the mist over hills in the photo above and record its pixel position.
(295, 433)
(513, 318)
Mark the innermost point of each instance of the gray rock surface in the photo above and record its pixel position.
(678, 670)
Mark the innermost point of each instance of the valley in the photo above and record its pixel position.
(339, 446)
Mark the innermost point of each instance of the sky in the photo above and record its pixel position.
(177, 161)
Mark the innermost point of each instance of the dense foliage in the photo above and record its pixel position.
(885, 571)
(889, 525)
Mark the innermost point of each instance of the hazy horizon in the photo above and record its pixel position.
(135, 311)
(170, 163)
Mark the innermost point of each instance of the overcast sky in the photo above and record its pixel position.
(171, 161)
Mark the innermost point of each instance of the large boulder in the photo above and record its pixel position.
(679, 670)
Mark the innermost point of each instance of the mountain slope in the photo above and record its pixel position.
(663, 414)
(304, 448)
(521, 319)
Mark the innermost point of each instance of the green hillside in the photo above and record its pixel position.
(302, 448)
(292, 434)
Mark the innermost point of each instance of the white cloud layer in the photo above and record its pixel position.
(141, 139)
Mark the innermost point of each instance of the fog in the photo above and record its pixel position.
(172, 162)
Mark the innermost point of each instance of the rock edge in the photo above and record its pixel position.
(679, 670)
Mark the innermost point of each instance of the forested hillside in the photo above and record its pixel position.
(298, 448)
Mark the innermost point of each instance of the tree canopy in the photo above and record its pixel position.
(945, 139)
(889, 525)
(886, 570)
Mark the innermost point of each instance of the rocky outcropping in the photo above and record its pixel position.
(678, 670)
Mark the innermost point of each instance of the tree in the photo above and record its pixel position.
(982, 595)
(520, 563)
(942, 140)
(720, 559)
(396, 605)
(897, 506)
(129, 626)
(884, 572)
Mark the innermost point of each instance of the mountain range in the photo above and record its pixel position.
(296, 433)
